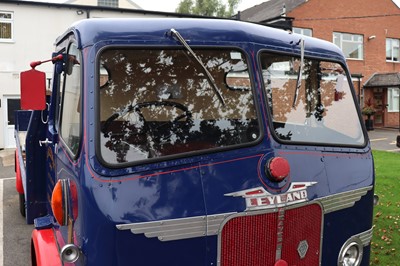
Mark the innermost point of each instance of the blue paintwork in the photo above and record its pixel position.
(34, 173)
(194, 185)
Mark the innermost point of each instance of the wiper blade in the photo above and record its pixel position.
(300, 75)
(198, 60)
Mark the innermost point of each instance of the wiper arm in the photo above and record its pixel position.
(300, 75)
(208, 74)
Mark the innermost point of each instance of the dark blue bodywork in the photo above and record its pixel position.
(194, 185)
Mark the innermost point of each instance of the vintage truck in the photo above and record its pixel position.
(194, 142)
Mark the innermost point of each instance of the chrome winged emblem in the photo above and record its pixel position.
(176, 229)
(258, 198)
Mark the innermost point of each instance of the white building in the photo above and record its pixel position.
(27, 33)
(109, 3)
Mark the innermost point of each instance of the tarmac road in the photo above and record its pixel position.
(384, 139)
(15, 233)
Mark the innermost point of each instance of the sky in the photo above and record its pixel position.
(171, 5)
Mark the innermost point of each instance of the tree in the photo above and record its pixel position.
(208, 7)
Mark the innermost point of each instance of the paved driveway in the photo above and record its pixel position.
(384, 139)
(14, 232)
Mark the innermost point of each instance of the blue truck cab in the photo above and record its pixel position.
(194, 142)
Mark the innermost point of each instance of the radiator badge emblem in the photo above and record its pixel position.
(302, 249)
(258, 198)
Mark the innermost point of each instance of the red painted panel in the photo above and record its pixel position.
(33, 90)
(46, 252)
(250, 240)
(18, 181)
(302, 224)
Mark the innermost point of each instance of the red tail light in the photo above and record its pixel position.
(278, 169)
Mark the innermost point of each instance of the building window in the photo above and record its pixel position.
(392, 50)
(303, 31)
(108, 3)
(351, 44)
(393, 99)
(6, 26)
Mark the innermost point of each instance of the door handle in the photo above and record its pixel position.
(45, 142)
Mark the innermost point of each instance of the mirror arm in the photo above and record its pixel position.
(54, 59)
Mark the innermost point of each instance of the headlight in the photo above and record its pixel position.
(351, 253)
(376, 200)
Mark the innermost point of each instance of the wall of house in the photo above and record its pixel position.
(35, 29)
(121, 3)
(393, 118)
(364, 17)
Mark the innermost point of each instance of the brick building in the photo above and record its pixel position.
(367, 31)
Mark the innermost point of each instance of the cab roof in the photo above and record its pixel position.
(195, 31)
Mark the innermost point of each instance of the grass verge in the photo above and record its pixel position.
(385, 246)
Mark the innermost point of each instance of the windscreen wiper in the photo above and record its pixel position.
(300, 74)
(198, 60)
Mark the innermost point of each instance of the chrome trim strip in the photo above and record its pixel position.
(175, 229)
(362, 239)
(343, 200)
(198, 226)
(365, 237)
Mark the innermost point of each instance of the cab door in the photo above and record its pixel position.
(67, 133)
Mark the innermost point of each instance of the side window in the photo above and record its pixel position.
(70, 103)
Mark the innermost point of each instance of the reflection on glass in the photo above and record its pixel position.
(70, 116)
(159, 102)
(325, 111)
(103, 77)
(239, 80)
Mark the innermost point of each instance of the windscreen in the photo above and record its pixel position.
(156, 103)
(316, 107)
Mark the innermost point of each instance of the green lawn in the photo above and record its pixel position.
(385, 246)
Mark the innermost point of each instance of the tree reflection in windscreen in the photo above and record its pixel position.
(323, 113)
(159, 102)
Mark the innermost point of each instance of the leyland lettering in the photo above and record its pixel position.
(259, 198)
(277, 200)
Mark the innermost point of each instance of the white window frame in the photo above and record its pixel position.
(393, 99)
(338, 40)
(11, 22)
(108, 3)
(303, 31)
(392, 47)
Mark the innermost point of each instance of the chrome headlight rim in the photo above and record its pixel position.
(70, 253)
(353, 242)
